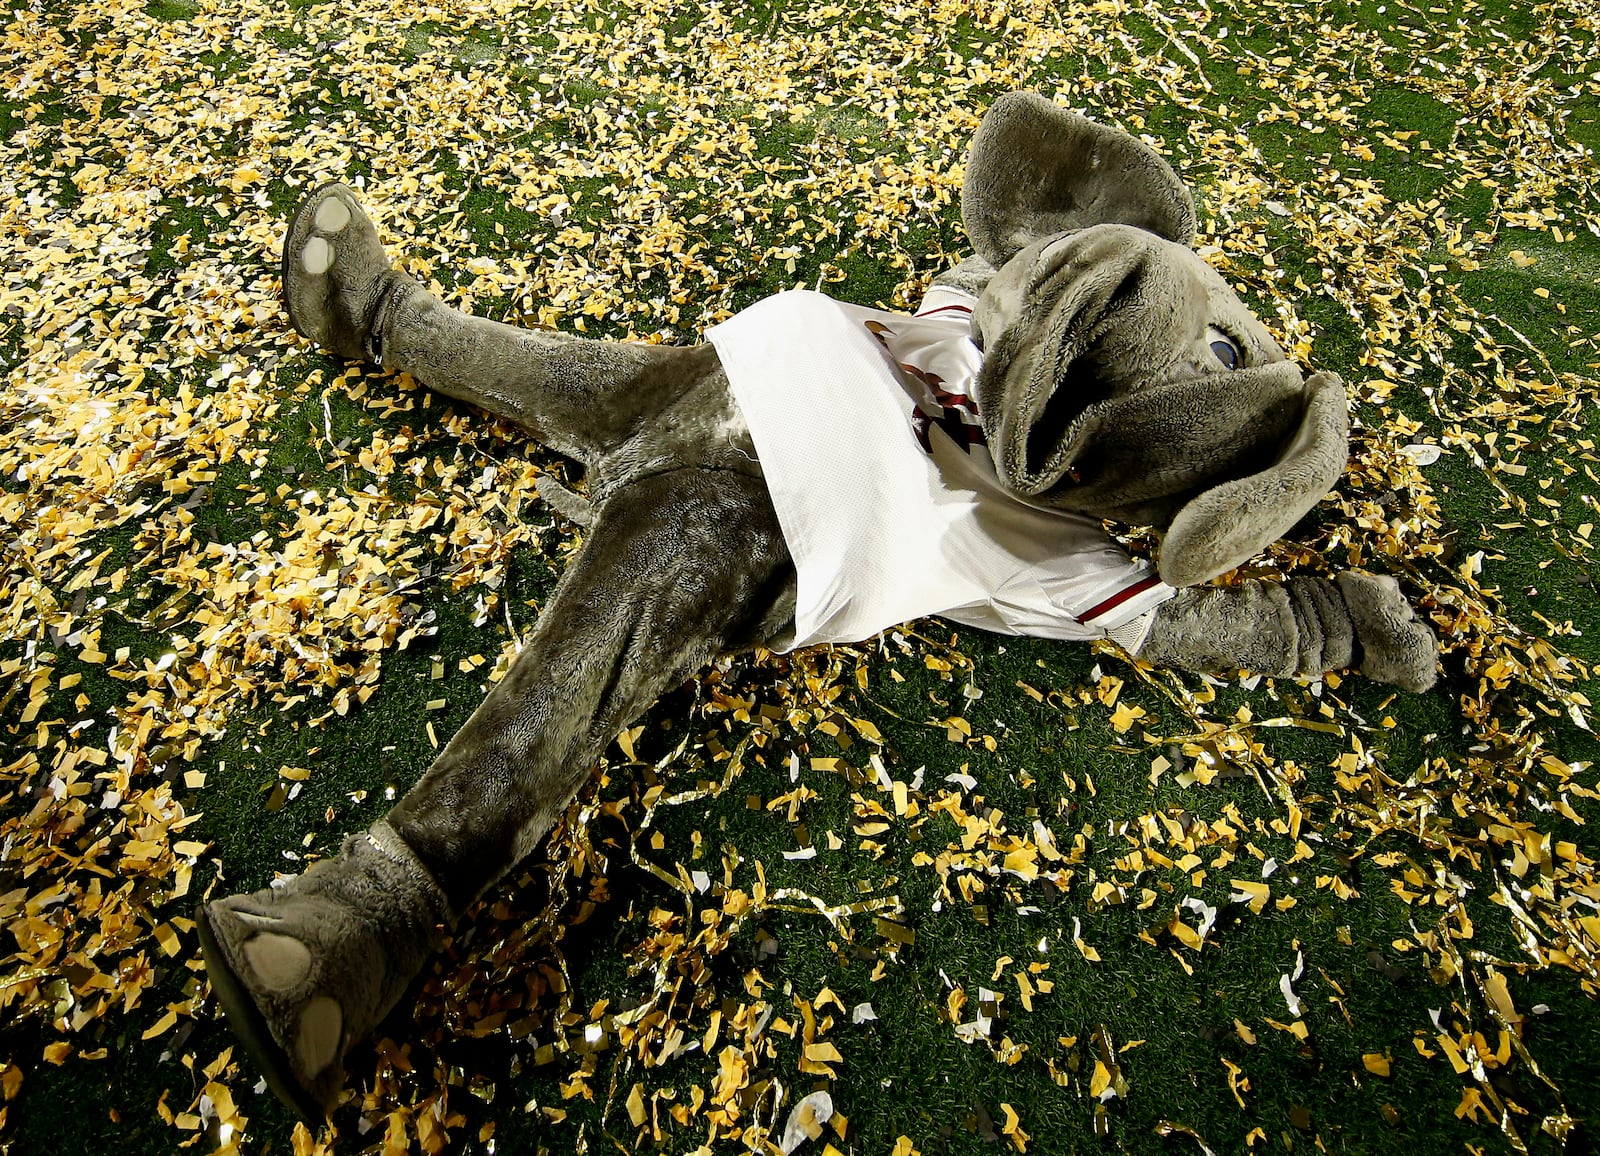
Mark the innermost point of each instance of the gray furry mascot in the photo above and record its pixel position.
(816, 472)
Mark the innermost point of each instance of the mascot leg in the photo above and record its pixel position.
(578, 397)
(677, 568)
(1296, 629)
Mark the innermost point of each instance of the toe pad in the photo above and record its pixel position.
(332, 215)
(317, 257)
(280, 962)
(316, 1044)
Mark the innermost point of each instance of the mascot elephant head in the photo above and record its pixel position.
(1122, 376)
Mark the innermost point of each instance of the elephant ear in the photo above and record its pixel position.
(1036, 169)
(1223, 526)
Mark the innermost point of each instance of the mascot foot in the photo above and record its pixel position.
(1396, 647)
(305, 970)
(335, 274)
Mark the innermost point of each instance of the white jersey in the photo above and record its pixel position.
(887, 496)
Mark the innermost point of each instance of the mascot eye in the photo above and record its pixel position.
(1224, 348)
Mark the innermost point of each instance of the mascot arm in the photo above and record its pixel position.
(1296, 629)
(970, 276)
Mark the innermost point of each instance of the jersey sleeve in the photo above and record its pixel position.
(947, 301)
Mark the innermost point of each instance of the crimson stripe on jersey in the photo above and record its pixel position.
(947, 309)
(1118, 598)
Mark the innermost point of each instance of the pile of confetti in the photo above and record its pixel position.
(220, 548)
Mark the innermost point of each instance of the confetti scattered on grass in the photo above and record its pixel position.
(245, 590)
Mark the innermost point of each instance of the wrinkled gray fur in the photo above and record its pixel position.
(1296, 629)
(1100, 393)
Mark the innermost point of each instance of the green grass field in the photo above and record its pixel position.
(1054, 901)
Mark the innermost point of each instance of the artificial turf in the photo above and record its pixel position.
(1404, 193)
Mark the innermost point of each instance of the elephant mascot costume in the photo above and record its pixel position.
(816, 472)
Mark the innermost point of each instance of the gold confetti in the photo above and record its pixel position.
(211, 529)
